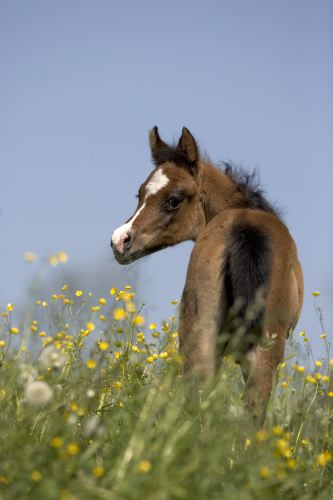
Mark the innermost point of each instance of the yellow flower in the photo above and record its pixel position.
(29, 257)
(127, 296)
(102, 301)
(131, 307)
(57, 442)
(284, 384)
(315, 293)
(113, 291)
(73, 449)
(119, 314)
(128, 287)
(277, 430)
(310, 379)
(247, 443)
(64, 287)
(53, 260)
(2, 343)
(325, 378)
(90, 326)
(78, 293)
(95, 308)
(152, 326)
(302, 333)
(163, 355)
(323, 458)
(323, 335)
(265, 472)
(150, 359)
(292, 463)
(91, 364)
(14, 330)
(261, 436)
(36, 476)
(138, 320)
(174, 302)
(104, 346)
(144, 466)
(118, 354)
(98, 471)
(140, 337)
(10, 307)
(74, 407)
(63, 257)
(102, 317)
(318, 363)
(305, 442)
(282, 446)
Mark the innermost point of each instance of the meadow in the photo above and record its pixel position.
(93, 404)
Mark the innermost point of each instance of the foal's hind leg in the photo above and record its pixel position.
(202, 310)
(259, 369)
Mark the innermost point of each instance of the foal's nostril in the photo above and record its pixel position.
(127, 242)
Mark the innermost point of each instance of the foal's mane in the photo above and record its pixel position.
(249, 184)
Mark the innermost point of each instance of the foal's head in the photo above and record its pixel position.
(169, 209)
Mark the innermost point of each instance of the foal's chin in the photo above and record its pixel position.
(128, 258)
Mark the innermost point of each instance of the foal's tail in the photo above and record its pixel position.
(247, 271)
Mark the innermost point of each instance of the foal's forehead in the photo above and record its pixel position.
(156, 181)
(166, 175)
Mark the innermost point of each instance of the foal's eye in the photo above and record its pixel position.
(173, 202)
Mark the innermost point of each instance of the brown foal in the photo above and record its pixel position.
(244, 287)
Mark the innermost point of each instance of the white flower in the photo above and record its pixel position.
(27, 375)
(72, 419)
(90, 393)
(93, 426)
(52, 357)
(236, 411)
(38, 393)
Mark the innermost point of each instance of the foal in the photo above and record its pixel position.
(244, 287)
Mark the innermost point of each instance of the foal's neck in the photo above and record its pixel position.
(219, 191)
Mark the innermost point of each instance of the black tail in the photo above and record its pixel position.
(247, 270)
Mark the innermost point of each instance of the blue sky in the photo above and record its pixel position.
(81, 84)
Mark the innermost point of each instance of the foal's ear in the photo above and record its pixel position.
(157, 146)
(188, 148)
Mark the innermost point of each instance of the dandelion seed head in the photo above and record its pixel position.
(51, 357)
(38, 393)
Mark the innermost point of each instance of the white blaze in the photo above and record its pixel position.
(157, 182)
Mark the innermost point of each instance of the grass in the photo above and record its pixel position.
(93, 405)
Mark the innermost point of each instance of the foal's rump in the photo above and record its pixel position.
(255, 273)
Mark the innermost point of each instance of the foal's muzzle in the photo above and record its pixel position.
(121, 246)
